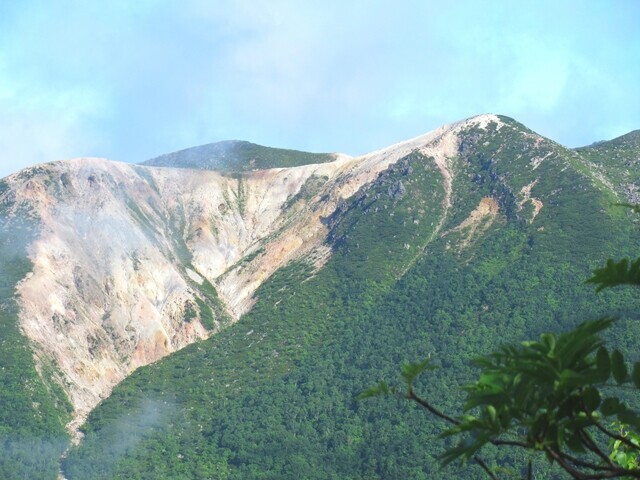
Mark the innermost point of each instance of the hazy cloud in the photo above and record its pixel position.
(131, 80)
(125, 432)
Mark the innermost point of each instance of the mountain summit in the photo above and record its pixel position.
(237, 156)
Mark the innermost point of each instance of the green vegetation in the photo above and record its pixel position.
(237, 156)
(274, 395)
(617, 160)
(210, 306)
(309, 189)
(240, 194)
(556, 397)
(33, 407)
(144, 173)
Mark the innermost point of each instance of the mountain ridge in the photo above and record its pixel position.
(410, 274)
(232, 233)
(130, 263)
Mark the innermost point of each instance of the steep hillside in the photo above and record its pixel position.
(479, 233)
(35, 408)
(338, 268)
(618, 160)
(120, 265)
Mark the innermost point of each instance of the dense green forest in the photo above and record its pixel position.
(274, 395)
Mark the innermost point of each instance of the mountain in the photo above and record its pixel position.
(263, 300)
(618, 160)
(237, 156)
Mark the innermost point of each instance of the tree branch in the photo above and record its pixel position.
(567, 462)
(608, 472)
(485, 468)
(423, 403)
(582, 463)
(565, 466)
(411, 395)
(591, 445)
(606, 431)
(512, 443)
(613, 435)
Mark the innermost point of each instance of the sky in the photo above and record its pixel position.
(130, 80)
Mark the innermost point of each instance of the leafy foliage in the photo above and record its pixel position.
(622, 452)
(551, 396)
(623, 272)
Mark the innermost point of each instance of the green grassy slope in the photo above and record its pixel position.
(237, 156)
(273, 396)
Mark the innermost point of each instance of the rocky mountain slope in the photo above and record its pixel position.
(129, 261)
(121, 265)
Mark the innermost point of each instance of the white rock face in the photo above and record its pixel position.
(123, 250)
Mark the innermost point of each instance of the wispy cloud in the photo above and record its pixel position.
(130, 80)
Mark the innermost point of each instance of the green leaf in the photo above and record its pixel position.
(566, 407)
(569, 378)
(618, 367)
(560, 438)
(575, 442)
(551, 435)
(491, 411)
(453, 454)
(465, 450)
(628, 417)
(491, 379)
(591, 398)
(410, 371)
(624, 272)
(603, 364)
(549, 340)
(505, 418)
(539, 424)
(376, 391)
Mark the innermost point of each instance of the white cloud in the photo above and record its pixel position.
(130, 80)
(536, 80)
(38, 124)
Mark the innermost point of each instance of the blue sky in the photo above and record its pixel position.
(129, 80)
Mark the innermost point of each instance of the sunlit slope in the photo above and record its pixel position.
(619, 161)
(446, 256)
(131, 263)
(121, 265)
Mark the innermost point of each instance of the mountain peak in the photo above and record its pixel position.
(113, 266)
(237, 156)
